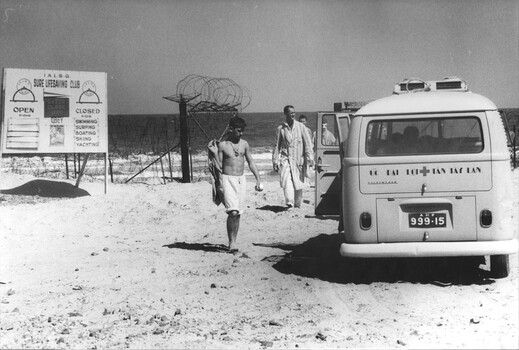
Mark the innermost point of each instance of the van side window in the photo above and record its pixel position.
(424, 136)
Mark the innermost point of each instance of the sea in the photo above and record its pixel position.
(138, 140)
(140, 130)
(154, 134)
(145, 133)
(261, 128)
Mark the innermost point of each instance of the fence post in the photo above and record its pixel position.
(66, 164)
(111, 170)
(184, 141)
(169, 154)
(514, 147)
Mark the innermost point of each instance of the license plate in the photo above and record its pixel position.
(427, 220)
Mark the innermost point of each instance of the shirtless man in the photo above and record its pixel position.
(231, 156)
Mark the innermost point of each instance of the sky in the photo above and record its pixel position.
(307, 53)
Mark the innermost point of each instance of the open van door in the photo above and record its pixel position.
(331, 135)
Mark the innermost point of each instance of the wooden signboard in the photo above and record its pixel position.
(54, 111)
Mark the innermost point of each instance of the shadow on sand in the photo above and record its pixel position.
(319, 258)
(323, 217)
(206, 247)
(47, 188)
(273, 208)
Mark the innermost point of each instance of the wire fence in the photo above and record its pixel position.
(146, 149)
(141, 149)
(510, 117)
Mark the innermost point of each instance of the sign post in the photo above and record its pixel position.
(54, 111)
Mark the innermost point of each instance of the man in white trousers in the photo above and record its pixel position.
(293, 146)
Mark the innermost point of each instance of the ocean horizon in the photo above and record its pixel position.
(136, 141)
(260, 131)
(157, 132)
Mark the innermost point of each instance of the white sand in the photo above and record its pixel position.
(142, 267)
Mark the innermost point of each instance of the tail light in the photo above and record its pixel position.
(485, 218)
(365, 221)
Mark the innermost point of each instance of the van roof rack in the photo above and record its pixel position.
(416, 84)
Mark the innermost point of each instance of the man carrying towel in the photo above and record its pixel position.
(230, 156)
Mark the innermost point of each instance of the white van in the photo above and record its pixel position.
(425, 173)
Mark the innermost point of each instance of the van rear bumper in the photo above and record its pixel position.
(428, 249)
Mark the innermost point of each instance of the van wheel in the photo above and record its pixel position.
(499, 266)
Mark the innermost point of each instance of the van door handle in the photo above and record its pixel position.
(320, 165)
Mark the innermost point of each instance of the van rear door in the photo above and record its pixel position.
(332, 132)
(426, 185)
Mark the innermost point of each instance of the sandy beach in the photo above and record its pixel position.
(145, 266)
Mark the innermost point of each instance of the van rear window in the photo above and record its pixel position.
(424, 136)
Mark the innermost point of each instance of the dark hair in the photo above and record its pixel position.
(411, 133)
(285, 110)
(237, 122)
(302, 116)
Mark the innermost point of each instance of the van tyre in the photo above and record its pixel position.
(499, 266)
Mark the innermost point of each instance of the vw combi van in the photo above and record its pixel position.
(426, 173)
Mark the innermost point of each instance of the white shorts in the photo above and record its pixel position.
(234, 190)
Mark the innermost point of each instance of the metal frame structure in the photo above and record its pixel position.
(197, 95)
